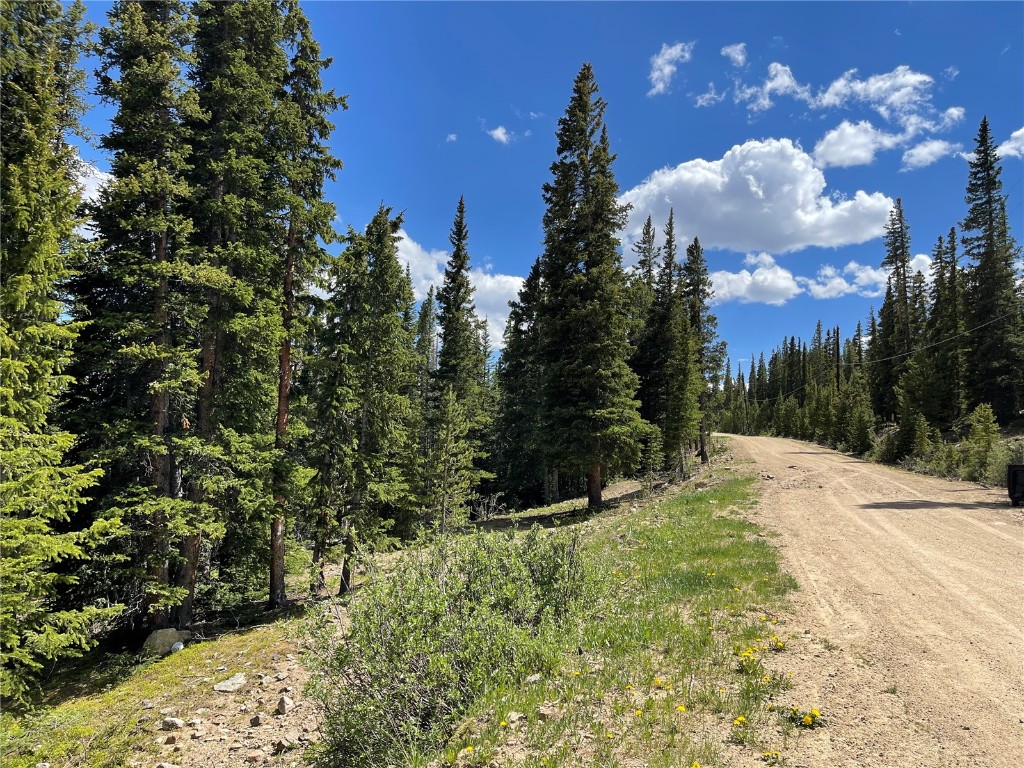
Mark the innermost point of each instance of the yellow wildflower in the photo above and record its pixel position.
(681, 708)
(808, 720)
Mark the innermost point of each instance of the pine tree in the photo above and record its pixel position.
(137, 370)
(38, 491)
(301, 130)
(591, 415)
(698, 292)
(641, 282)
(993, 296)
(522, 460)
(241, 198)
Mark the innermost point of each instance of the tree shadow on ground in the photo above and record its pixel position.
(913, 504)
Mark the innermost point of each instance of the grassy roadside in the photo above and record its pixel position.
(669, 664)
(105, 716)
(670, 667)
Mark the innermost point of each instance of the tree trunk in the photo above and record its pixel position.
(594, 486)
(159, 564)
(190, 549)
(703, 449)
(284, 385)
(348, 550)
(318, 584)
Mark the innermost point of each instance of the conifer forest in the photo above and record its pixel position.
(204, 381)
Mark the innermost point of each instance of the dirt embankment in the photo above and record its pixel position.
(910, 613)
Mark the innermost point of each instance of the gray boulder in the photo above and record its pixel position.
(161, 641)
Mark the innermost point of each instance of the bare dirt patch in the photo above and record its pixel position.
(908, 631)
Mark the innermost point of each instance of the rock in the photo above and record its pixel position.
(256, 719)
(285, 705)
(147, 704)
(255, 756)
(230, 685)
(197, 735)
(172, 724)
(281, 676)
(283, 745)
(548, 711)
(178, 646)
(514, 717)
(534, 678)
(172, 739)
(166, 765)
(161, 641)
(195, 721)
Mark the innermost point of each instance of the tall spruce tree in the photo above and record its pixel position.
(698, 291)
(522, 461)
(994, 300)
(137, 370)
(591, 415)
(38, 492)
(301, 129)
(241, 197)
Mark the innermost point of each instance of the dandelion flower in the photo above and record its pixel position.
(816, 713)
(657, 681)
(808, 720)
(680, 708)
(469, 748)
(741, 720)
(639, 713)
(610, 735)
(504, 724)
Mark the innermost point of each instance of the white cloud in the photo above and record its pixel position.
(452, 137)
(760, 196)
(767, 284)
(1014, 146)
(501, 134)
(922, 263)
(852, 144)
(926, 153)
(92, 180)
(868, 281)
(709, 97)
(492, 295)
(736, 53)
(493, 290)
(780, 82)
(891, 94)
(951, 72)
(664, 65)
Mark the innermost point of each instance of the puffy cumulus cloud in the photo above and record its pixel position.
(492, 295)
(664, 65)
(926, 153)
(493, 290)
(852, 144)
(426, 267)
(760, 196)
(501, 134)
(736, 53)
(1014, 146)
(92, 180)
(780, 82)
(922, 263)
(767, 284)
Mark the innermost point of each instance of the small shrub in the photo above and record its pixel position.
(433, 635)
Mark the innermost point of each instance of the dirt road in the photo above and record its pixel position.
(909, 619)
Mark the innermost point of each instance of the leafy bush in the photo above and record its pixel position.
(434, 634)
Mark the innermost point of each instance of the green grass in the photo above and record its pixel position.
(98, 719)
(685, 587)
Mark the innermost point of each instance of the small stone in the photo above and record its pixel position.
(515, 717)
(172, 724)
(234, 746)
(230, 685)
(195, 721)
(178, 646)
(533, 679)
(256, 719)
(244, 708)
(255, 756)
(147, 704)
(166, 765)
(548, 712)
(285, 705)
(42, 765)
(283, 745)
(198, 735)
(286, 689)
(172, 739)
(281, 676)
(167, 711)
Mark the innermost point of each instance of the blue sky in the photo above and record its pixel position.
(780, 132)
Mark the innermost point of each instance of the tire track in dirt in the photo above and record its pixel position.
(909, 621)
